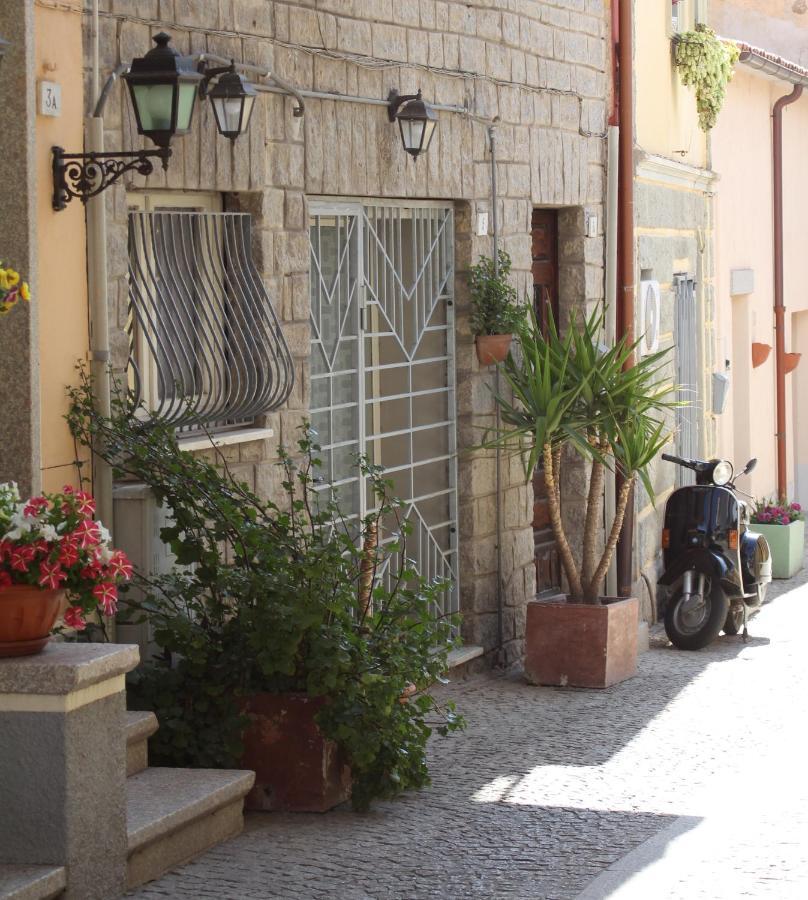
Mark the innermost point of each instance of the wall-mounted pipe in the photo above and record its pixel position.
(779, 304)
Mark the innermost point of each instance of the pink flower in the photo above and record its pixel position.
(87, 533)
(119, 565)
(5, 549)
(5, 579)
(68, 552)
(35, 506)
(68, 489)
(85, 505)
(784, 520)
(107, 597)
(50, 575)
(796, 506)
(21, 557)
(74, 618)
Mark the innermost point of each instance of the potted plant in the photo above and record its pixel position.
(12, 289)
(52, 549)
(783, 526)
(495, 312)
(291, 644)
(573, 396)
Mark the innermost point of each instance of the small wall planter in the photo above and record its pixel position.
(296, 768)
(787, 544)
(492, 348)
(579, 645)
(27, 615)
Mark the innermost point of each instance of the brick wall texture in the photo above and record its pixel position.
(539, 67)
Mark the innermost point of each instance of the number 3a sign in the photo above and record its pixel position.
(50, 98)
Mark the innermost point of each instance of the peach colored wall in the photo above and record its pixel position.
(667, 123)
(742, 155)
(62, 291)
(771, 24)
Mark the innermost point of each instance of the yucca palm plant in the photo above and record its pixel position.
(574, 391)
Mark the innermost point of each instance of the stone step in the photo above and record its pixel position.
(175, 814)
(31, 882)
(140, 726)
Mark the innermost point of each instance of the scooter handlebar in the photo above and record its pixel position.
(676, 459)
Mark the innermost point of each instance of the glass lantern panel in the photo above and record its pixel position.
(228, 114)
(185, 107)
(249, 102)
(412, 132)
(430, 131)
(154, 106)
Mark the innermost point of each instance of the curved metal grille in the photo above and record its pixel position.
(205, 344)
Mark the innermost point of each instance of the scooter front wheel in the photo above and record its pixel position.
(698, 624)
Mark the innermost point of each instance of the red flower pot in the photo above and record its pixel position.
(492, 348)
(27, 615)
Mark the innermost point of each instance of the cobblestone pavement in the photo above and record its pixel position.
(687, 781)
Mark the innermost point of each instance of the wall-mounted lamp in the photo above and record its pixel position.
(4, 45)
(232, 98)
(416, 120)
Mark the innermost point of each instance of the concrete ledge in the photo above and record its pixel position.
(461, 655)
(63, 668)
(31, 882)
(140, 726)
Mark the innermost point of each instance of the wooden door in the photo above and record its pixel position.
(545, 299)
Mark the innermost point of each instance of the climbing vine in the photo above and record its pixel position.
(706, 64)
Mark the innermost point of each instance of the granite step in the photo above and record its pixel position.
(175, 814)
(31, 882)
(140, 726)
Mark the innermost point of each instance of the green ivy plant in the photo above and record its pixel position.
(494, 306)
(706, 64)
(279, 598)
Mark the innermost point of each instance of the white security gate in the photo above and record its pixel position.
(382, 364)
(689, 414)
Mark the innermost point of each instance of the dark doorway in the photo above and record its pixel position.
(545, 300)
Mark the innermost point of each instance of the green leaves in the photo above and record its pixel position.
(493, 298)
(706, 64)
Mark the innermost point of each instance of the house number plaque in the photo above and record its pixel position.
(50, 98)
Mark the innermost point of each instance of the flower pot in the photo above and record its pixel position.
(580, 645)
(492, 348)
(787, 545)
(760, 353)
(296, 768)
(27, 615)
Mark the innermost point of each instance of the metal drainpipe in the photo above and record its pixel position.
(492, 142)
(779, 305)
(625, 313)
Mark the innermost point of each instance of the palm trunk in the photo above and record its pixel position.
(593, 504)
(553, 493)
(605, 560)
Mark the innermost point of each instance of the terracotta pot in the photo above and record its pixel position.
(492, 348)
(792, 360)
(760, 353)
(27, 615)
(579, 645)
(296, 768)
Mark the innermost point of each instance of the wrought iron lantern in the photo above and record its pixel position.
(163, 86)
(416, 121)
(232, 98)
(3, 47)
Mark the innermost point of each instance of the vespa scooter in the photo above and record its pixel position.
(716, 568)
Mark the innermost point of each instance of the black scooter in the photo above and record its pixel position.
(716, 568)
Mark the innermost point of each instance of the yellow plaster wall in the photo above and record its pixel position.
(667, 124)
(62, 291)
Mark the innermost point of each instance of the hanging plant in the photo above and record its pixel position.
(12, 289)
(706, 64)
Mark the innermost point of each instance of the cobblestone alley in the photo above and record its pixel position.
(687, 782)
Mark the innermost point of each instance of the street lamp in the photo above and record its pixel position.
(416, 121)
(232, 99)
(163, 86)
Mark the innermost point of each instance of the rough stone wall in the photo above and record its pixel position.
(540, 67)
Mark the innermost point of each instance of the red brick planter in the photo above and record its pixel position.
(578, 645)
(296, 768)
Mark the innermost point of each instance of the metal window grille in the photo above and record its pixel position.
(206, 347)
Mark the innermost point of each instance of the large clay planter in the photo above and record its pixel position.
(579, 645)
(492, 348)
(27, 615)
(787, 545)
(296, 768)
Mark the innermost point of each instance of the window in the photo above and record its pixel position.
(206, 348)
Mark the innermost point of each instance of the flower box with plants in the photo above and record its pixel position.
(54, 558)
(783, 526)
(495, 312)
(291, 642)
(566, 397)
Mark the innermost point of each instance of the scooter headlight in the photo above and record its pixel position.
(722, 473)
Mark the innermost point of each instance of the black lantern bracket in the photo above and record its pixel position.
(85, 175)
(395, 101)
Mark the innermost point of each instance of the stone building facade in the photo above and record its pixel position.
(538, 68)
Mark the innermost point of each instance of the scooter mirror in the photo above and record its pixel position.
(750, 465)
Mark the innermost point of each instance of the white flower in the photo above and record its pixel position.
(105, 554)
(105, 536)
(21, 524)
(49, 533)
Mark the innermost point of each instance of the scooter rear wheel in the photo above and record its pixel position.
(696, 628)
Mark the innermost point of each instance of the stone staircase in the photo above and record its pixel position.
(170, 815)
